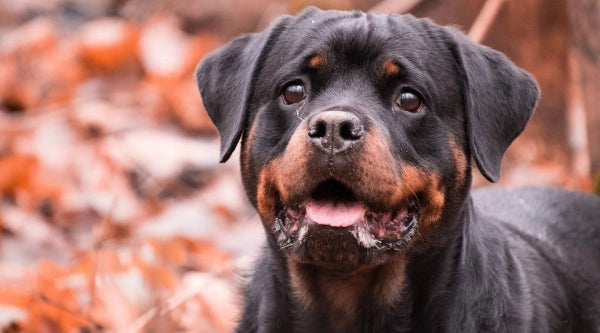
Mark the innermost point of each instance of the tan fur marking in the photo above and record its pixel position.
(436, 199)
(414, 181)
(298, 282)
(343, 293)
(247, 144)
(390, 281)
(317, 61)
(292, 170)
(268, 191)
(281, 175)
(389, 68)
(460, 161)
(338, 294)
(377, 168)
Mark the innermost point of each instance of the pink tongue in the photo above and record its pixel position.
(340, 215)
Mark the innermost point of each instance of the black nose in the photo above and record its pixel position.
(335, 131)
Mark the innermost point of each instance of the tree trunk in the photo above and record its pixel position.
(585, 23)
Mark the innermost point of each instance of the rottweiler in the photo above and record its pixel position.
(357, 135)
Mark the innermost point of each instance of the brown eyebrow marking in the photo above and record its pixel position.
(389, 68)
(316, 61)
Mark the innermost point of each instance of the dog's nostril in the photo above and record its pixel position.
(350, 130)
(318, 130)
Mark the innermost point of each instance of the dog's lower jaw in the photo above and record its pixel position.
(339, 295)
(372, 240)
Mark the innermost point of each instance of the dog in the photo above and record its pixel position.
(357, 135)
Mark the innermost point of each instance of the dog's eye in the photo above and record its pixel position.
(293, 93)
(409, 101)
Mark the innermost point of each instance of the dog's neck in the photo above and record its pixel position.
(431, 275)
(342, 295)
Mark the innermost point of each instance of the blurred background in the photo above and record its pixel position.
(115, 215)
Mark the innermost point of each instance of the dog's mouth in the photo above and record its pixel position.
(334, 208)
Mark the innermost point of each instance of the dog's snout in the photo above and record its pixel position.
(335, 131)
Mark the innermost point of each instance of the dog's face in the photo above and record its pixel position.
(358, 129)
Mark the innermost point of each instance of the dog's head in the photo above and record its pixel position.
(358, 129)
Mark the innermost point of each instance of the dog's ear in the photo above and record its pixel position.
(499, 100)
(226, 78)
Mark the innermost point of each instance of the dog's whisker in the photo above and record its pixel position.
(415, 196)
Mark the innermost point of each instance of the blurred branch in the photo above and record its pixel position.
(585, 23)
(163, 308)
(576, 119)
(484, 20)
(77, 315)
(395, 6)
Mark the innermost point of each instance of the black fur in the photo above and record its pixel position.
(495, 260)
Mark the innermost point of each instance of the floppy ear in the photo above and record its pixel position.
(226, 78)
(499, 100)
